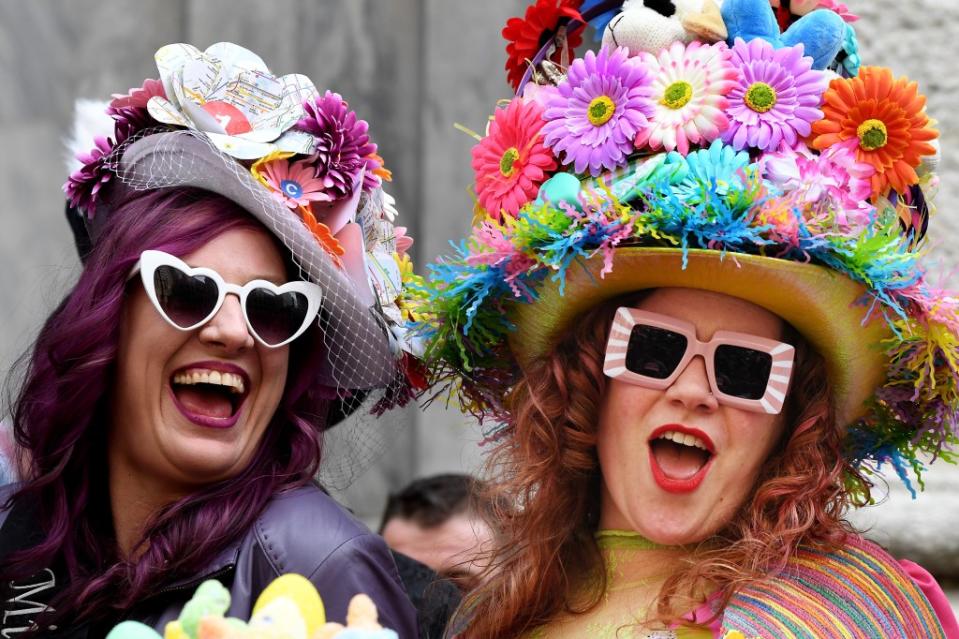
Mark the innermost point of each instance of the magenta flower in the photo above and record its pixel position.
(776, 98)
(833, 182)
(293, 183)
(343, 145)
(601, 107)
(131, 116)
(84, 185)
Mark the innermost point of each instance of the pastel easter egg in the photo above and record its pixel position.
(562, 187)
(133, 630)
(280, 617)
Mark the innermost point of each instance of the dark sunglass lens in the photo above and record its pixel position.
(186, 299)
(742, 372)
(275, 318)
(654, 352)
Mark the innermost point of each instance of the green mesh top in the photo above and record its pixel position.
(625, 601)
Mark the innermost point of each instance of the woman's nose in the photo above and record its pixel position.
(691, 389)
(227, 330)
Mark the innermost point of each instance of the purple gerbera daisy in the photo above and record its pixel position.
(131, 116)
(84, 184)
(343, 144)
(600, 107)
(776, 98)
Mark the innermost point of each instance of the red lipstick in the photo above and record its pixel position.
(675, 484)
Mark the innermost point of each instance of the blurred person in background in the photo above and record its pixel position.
(436, 530)
(438, 521)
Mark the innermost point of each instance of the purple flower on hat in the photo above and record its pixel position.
(776, 98)
(600, 107)
(131, 116)
(84, 185)
(343, 144)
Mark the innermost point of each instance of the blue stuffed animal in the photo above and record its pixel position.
(821, 32)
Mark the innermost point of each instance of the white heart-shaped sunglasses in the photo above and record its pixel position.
(188, 297)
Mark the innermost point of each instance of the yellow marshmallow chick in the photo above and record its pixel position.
(280, 618)
(298, 590)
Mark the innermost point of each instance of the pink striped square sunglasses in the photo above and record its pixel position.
(744, 371)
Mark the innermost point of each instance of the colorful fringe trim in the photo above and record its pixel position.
(715, 199)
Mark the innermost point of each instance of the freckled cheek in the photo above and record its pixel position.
(622, 435)
(628, 404)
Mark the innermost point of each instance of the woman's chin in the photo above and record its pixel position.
(201, 460)
(672, 527)
(675, 537)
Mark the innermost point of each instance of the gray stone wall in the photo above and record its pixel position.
(412, 68)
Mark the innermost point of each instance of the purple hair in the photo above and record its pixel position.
(60, 423)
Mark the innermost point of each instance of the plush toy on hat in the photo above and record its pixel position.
(653, 25)
(822, 32)
(289, 608)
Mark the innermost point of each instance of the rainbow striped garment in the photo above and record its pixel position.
(857, 592)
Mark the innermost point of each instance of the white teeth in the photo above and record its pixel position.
(203, 376)
(684, 439)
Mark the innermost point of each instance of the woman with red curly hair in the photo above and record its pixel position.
(693, 311)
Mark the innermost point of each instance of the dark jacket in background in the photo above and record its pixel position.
(300, 531)
(435, 599)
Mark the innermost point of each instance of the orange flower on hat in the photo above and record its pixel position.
(323, 236)
(888, 118)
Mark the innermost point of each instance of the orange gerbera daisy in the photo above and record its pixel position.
(887, 116)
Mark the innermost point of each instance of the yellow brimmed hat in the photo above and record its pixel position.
(825, 307)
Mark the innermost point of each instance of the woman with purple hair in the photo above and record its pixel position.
(240, 293)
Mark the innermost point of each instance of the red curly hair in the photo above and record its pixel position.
(547, 470)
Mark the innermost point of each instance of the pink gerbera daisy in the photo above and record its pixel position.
(511, 162)
(690, 84)
(294, 184)
(130, 109)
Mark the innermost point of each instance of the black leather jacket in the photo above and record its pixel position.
(303, 531)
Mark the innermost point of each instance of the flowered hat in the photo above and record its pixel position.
(737, 147)
(301, 162)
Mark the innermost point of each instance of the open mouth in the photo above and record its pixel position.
(209, 396)
(680, 458)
